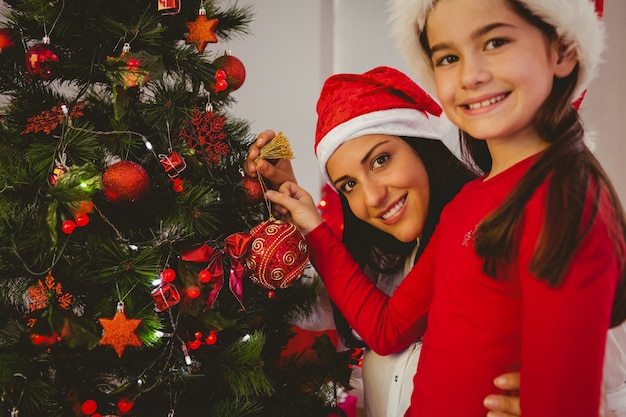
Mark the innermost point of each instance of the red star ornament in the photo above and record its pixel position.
(119, 332)
(201, 32)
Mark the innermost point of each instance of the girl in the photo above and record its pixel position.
(526, 267)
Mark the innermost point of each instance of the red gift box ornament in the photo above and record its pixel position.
(278, 254)
(165, 296)
(173, 163)
(168, 6)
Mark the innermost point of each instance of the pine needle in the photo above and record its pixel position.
(277, 148)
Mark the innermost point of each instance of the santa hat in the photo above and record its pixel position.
(381, 101)
(577, 22)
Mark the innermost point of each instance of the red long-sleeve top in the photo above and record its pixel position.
(480, 327)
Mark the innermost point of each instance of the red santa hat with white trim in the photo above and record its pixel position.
(577, 22)
(381, 101)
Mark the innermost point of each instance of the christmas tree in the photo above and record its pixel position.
(127, 283)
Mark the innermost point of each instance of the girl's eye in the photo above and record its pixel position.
(446, 60)
(347, 186)
(380, 160)
(495, 43)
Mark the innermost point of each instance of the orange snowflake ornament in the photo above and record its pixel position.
(119, 331)
(40, 295)
(202, 31)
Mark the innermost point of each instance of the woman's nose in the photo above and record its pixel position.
(375, 193)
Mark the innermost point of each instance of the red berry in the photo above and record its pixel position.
(221, 85)
(82, 220)
(193, 292)
(211, 338)
(204, 275)
(168, 275)
(68, 226)
(89, 407)
(124, 406)
(220, 75)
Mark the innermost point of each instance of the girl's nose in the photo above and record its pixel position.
(474, 72)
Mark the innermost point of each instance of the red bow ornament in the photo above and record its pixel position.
(236, 247)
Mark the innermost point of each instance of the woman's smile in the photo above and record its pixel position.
(394, 213)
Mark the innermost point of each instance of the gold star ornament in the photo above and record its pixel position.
(119, 331)
(201, 32)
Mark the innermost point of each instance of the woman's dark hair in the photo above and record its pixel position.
(573, 172)
(380, 252)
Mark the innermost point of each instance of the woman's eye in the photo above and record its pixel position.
(379, 160)
(495, 43)
(347, 186)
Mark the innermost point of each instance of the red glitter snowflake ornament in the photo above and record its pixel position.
(205, 134)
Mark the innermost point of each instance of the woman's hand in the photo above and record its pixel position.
(508, 405)
(298, 206)
(275, 172)
(504, 405)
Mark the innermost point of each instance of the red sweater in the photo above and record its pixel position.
(480, 327)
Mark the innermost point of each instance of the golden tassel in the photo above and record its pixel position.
(277, 148)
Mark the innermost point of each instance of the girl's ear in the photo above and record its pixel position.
(565, 60)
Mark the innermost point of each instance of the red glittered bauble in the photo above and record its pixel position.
(40, 61)
(234, 69)
(278, 254)
(125, 182)
(252, 190)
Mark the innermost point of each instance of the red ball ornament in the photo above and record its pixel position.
(125, 182)
(68, 226)
(278, 254)
(234, 69)
(194, 344)
(40, 61)
(252, 190)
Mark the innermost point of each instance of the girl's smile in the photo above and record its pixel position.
(479, 104)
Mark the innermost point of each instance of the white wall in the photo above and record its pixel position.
(604, 107)
(287, 58)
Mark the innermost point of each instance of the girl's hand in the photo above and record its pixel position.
(504, 405)
(275, 172)
(298, 205)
